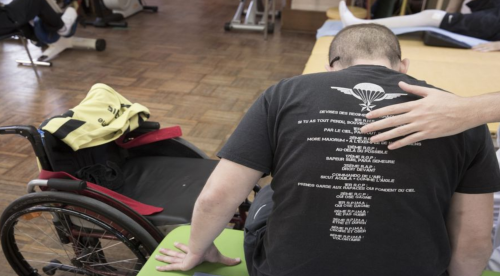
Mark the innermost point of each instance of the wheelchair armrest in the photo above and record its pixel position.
(30, 133)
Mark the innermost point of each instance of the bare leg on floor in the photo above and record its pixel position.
(427, 18)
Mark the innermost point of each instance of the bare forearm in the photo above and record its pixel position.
(227, 187)
(484, 108)
(210, 217)
(471, 112)
(469, 263)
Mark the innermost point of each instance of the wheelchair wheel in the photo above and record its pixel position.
(56, 233)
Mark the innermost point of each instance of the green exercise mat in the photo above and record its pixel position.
(490, 273)
(230, 243)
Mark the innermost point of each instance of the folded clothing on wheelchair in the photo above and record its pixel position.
(103, 116)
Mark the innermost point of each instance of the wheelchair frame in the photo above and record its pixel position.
(71, 200)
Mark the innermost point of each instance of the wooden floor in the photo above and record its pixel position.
(179, 62)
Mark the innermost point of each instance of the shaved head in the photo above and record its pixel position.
(364, 41)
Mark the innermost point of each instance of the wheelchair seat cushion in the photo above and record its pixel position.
(172, 183)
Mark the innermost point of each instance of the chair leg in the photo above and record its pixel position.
(33, 65)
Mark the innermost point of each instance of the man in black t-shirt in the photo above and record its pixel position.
(343, 206)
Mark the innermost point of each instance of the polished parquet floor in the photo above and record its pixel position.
(178, 62)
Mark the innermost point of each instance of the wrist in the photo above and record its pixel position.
(196, 249)
(482, 109)
(469, 115)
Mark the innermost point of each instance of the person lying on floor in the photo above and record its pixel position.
(482, 23)
(343, 206)
(17, 14)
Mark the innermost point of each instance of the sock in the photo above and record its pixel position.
(346, 16)
(69, 17)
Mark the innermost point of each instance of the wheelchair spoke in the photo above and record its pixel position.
(80, 231)
(57, 242)
(115, 262)
(107, 244)
(42, 262)
(43, 245)
(89, 241)
(91, 234)
(109, 241)
(43, 253)
(96, 251)
(49, 225)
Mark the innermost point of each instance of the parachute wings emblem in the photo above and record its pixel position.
(368, 93)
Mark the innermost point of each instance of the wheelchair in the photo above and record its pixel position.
(73, 227)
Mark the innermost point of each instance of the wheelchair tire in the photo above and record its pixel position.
(57, 231)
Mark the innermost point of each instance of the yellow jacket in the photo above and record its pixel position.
(101, 117)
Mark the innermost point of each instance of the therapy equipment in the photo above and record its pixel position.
(251, 23)
(63, 43)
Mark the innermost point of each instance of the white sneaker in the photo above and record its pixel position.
(69, 17)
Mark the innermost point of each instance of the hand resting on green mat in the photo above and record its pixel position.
(185, 260)
(230, 243)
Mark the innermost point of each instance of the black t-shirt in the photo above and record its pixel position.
(343, 206)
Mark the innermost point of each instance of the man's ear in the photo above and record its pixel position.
(404, 65)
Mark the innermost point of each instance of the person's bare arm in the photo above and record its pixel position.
(469, 224)
(438, 114)
(226, 189)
